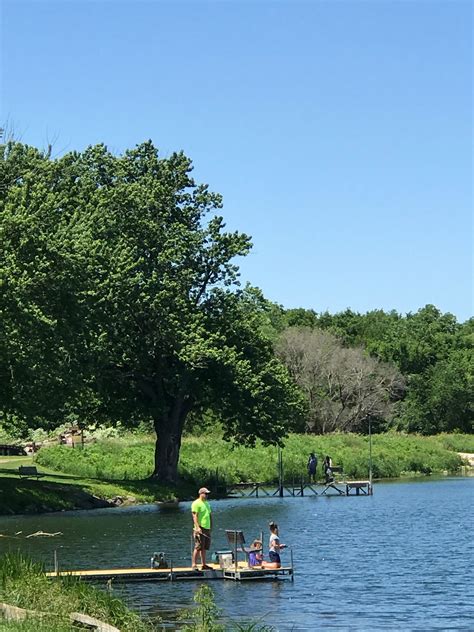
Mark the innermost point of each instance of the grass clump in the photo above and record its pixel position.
(207, 617)
(127, 458)
(23, 583)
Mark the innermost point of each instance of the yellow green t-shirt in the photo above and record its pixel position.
(203, 510)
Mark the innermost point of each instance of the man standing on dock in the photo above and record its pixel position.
(202, 519)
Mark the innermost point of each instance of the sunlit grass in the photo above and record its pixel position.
(203, 459)
(24, 584)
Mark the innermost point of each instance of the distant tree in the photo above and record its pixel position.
(344, 387)
(300, 317)
(122, 300)
(442, 398)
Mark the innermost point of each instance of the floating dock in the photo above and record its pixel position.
(235, 572)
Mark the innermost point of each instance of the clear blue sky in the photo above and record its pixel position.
(339, 133)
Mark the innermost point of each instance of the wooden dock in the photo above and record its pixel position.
(235, 572)
(339, 488)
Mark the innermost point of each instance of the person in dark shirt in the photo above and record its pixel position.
(311, 466)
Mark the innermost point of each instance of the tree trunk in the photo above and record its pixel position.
(169, 430)
(168, 444)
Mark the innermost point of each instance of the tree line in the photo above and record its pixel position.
(423, 361)
(120, 300)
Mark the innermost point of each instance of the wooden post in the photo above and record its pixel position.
(370, 453)
(56, 566)
(280, 473)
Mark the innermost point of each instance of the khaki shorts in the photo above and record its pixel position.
(202, 540)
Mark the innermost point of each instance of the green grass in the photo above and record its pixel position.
(35, 625)
(24, 584)
(130, 458)
(455, 441)
(60, 490)
(84, 479)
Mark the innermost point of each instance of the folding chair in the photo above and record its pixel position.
(236, 540)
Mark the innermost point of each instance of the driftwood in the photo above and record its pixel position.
(90, 623)
(13, 613)
(44, 533)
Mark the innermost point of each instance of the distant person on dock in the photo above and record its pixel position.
(202, 525)
(255, 553)
(327, 469)
(312, 465)
(275, 547)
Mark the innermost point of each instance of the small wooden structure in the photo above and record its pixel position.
(73, 436)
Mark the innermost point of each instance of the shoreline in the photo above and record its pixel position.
(58, 491)
(70, 497)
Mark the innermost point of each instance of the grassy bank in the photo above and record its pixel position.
(24, 584)
(115, 471)
(57, 490)
(131, 457)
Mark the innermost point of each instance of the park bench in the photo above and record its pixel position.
(28, 470)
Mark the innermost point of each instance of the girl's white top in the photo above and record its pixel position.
(274, 539)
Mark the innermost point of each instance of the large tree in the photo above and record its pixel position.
(42, 285)
(131, 299)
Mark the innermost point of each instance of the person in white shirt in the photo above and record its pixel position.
(275, 547)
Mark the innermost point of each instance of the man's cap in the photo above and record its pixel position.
(204, 490)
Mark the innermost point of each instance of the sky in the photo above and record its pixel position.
(338, 132)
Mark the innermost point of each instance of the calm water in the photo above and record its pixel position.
(399, 560)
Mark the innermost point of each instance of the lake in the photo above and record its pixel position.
(401, 559)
